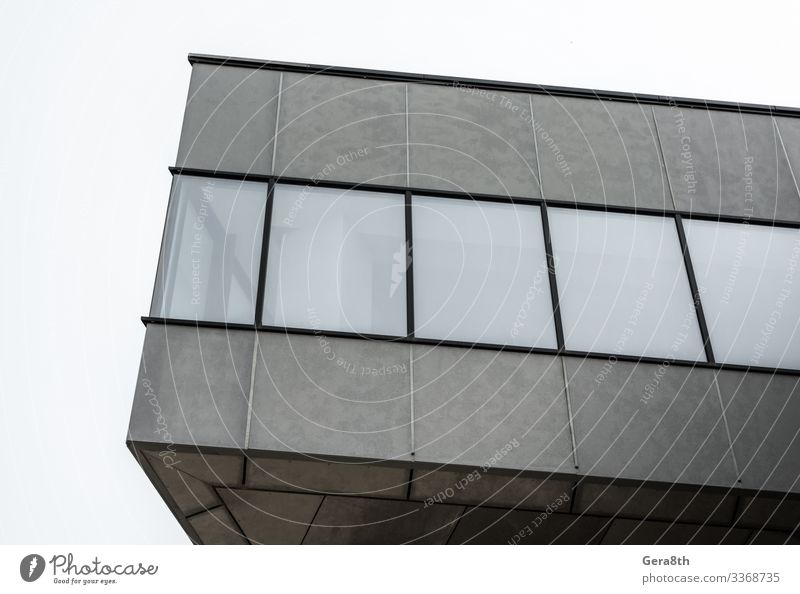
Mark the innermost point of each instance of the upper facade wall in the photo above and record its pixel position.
(463, 138)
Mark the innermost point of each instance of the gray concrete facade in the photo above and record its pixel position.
(488, 439)
(465, 138)
(270, 437)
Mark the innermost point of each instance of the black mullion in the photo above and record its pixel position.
(409, 269)
(262, 268)
(551, 272)
(698, 304)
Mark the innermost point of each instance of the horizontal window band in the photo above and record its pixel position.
(492, 85)
(505, 199)
(146, 320)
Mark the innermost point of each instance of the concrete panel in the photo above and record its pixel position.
(339, 128)
(635, 532)
(674, 504)
(789, 134)
(216, 527)
(324, 477)
(768, 537)
(762, 411)
(478, 488)
(496, 526)
(649, 422)
(350, 520)
(190, 494)
(193, 386)
(726, 163)
(600, 152)
(470, 140)
(229, 123)
(499, 409)
(271, 518)
(215, 469)
(775, 513)
(318, 395)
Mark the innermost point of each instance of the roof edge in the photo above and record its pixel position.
(388, 75)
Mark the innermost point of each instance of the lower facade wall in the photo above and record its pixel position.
(401, 403)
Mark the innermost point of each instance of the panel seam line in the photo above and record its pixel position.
(786, 155)
(536, 149)
(250, 397)
(569, 414)
(277, 123)
(663, 159)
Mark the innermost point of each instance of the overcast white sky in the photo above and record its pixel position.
(91, 102)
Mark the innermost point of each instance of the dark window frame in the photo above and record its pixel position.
(543, 203)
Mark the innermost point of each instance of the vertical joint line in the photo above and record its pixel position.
(410, 481)
(665, 171)
(698, 304)
(409, 269)
(536, 149)
(723, 410)
(411, 395)
(313, 519)
(551, 273)
(569, 414)
(277, 123)
(250, 396)
(262, 267)
(786, 155)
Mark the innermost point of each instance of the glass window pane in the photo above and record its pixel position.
(480, 273)
(337, 261)
(623, 286)
(750, 289)
(212, 248)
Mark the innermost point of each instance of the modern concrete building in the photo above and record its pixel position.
(397, 308)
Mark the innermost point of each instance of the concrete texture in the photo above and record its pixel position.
(471, 141)
(324, 477)
(318, 395)
(477, 487)
(192, 387)
(726, 163)
(344, 129)
(217, 527)
(191, 495)
(768, 537)
(762, 411)
(789, 135)
(496, 526)
(478, 407)
(648, 422)
(271, 518)
(776, 513)
(600, 152)
(655, 503)
(349, 520)
(488, 510)
(229, 123)
(635, 532)
(214, 469)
